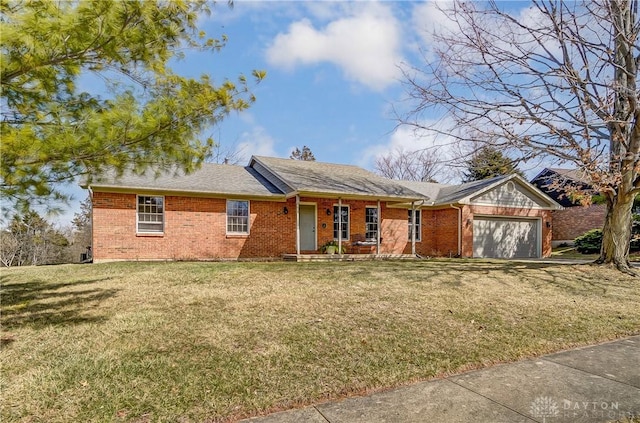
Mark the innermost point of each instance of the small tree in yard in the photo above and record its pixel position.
(558, 80)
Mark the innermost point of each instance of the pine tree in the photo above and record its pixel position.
(488, 163)
(305, 154)
(146, 115)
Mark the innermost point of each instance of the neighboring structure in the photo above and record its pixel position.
(274, 207)
(566, 187)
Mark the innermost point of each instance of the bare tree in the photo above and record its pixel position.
(29, 240)
(557, 81)
(225, 155)
(404, 165)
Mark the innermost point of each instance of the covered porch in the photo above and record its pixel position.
(365, 228)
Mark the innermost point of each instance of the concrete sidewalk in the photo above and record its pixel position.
(599, 383)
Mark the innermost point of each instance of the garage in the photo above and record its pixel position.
(496, 237)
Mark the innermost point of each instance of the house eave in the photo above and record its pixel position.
(184, 193)
(353, 196)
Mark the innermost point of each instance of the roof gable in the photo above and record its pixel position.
(493, 191)
(317, 178)
(510, 194)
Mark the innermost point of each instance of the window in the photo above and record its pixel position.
(345, 222)
(417, 224)
(150, 214)
(371, 223)
(237, 217)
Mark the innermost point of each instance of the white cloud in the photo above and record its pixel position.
(365, 45)
(427, 18)
(256, 142)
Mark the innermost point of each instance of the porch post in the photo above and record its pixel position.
(297, 224)
(413, 228)
(339, 225)
(378, 226)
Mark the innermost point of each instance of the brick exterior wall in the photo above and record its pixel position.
(439, 234)
(195, 229)
(574, 221)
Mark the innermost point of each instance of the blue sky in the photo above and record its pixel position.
(333, 76)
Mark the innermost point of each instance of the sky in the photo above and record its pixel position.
(333, 78)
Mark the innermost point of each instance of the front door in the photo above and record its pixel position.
(307, 227)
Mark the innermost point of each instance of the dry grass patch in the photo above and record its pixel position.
(218, 341)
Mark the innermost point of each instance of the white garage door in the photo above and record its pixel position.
(505, 238)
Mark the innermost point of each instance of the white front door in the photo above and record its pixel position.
(308, 227)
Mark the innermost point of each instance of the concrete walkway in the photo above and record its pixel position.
(599, 383)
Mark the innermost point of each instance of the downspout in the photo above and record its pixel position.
(459, 229)
(297, 224)
(413, 228)
(378, 226)
(339, 225)
(91, 218)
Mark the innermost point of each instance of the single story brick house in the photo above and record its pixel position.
(275, 207)
(574, 219)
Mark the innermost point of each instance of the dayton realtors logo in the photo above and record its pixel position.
(547, 408)
(544, 407)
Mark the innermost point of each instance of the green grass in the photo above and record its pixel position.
(219, 341)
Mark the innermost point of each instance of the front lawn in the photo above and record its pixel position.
(219, 341)
(570, 253)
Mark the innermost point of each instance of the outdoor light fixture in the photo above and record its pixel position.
(548, 224)
(328, 212)
(285, 210)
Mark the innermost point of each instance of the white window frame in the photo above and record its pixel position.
(335, 222)
(374, 224)
(248, 217)
(150, 213)
(418, 212)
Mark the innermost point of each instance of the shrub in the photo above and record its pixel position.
(589, 242)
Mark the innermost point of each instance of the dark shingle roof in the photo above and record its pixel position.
(209, 179)
(452, 194)
(333, 179)
(445, 194)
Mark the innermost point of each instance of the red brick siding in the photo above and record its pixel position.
(574, 221)
(439, 233)
(195, 229)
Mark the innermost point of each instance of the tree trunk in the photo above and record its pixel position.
(616, 233)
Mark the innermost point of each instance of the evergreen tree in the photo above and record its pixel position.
(147, 115)
(486, 163)
(305, 154)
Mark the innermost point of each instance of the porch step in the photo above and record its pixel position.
(346, 257)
